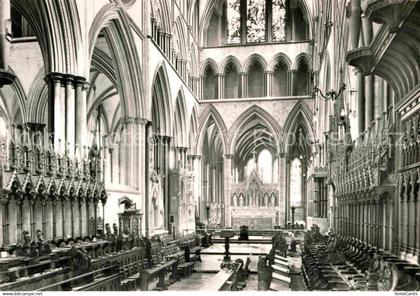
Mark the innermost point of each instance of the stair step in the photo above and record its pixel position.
(280, 258)
(280, 262)
(282, 278)
(280, 268)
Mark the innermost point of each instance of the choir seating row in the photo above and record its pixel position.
(91, 261)
(345, 263)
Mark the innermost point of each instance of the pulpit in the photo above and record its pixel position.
(130, 218)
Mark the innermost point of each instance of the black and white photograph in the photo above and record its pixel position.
(176, 146)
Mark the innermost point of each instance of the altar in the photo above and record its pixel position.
(254, 218)
(254, 203)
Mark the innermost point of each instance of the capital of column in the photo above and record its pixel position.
(270, 72)
(292, 71)
(68, 79)
(135, 120)
(194, 156)
(79, 81)
(54, 77)
(228, 156)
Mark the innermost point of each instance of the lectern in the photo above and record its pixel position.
(227, 234)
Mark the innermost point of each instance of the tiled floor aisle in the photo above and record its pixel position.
(211, 264)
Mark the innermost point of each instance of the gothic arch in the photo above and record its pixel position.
(271, 123)
(208, 62)
(13, 99)
(306, 11)
(38, 99)
(20, 95)
(302, 57)
(193, 130)
(160, 12)
(211, 7)
(115, 22)
(299, 116)
(227, 60)
(280, 57)
(254, 57)
(180, 121)
(161, 105)
(102, 62)
(56, 25)
(208, 114)
(179, 32)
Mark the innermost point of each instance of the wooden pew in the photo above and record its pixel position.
(105, 279)
(225, 280)
(159, 271)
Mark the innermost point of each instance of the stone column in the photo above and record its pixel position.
(56, 110)
(283, 188)
(244, 85)
(355, 22)
(291, 76)
(166, 149)
(369, 97)
(269, 82)
(70, 115)
(360, 101)
(227, 176)
(220, 86)
(4, 43)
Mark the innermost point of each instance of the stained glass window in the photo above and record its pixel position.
(279, 20)
(256, 21)
(234, 21)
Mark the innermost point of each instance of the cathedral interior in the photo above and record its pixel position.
(215, 145)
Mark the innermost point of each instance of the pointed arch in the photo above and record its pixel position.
(299, 116)
(208, 115)
(161, 13)
(56, 25)
(180, 121)
(265, 117)
(303, 57)
(230, 59)
(179, 31)
(38, 99)
(193, 130)
(20, 96)
(208, 62)
(161, 106)
(251, 59)
(280, 57)
(114, 21)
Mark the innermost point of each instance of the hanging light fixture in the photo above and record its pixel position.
(330, 95)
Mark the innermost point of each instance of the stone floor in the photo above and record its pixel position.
(213, 257)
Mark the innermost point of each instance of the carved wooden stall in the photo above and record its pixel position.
(50, 192)
(365, 185)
